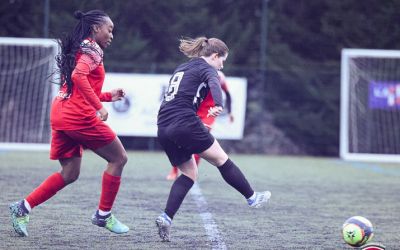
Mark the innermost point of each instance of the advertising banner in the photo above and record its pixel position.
(136, 114)
(384, 95)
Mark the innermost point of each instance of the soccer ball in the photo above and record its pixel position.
(357, 230)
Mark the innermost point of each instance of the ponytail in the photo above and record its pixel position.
(202, 46)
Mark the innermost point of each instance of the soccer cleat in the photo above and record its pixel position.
(163, 223)
(111, 223)
(19, 218)
(259, 199)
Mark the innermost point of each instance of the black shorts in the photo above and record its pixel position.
(182, 139)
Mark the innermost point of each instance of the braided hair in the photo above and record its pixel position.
(71, 43)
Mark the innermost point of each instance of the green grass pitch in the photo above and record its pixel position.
(311, 198)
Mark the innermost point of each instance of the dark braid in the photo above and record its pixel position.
(71, 43)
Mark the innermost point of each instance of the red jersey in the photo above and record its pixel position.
(78, 110)
(208, 102)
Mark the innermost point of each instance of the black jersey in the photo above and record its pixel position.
(187, 88)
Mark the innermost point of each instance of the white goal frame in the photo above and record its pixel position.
(23, 42)
(345, 154)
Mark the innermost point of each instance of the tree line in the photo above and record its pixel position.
(293, 104)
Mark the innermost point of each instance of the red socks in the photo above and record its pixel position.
(55, 182)
(109, 190)
(46, 190)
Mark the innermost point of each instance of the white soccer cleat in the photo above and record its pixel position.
(163, 223)
(258, 199)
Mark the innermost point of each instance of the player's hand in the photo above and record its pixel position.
(103, 114)
(214, 111)
(117, 94)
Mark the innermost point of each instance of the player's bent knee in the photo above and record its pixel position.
(193, 176)
(191, 173)
(70, 179)
(221, 162)
(217, 161)
(124, 159)
(119, 160)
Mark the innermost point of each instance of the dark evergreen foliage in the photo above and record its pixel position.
(301, 93)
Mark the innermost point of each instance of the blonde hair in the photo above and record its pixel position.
(202, 46)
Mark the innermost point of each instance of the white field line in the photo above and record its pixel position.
(210, 225)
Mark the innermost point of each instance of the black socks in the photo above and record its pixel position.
(229, 171)
(179, 189)
(234, 177)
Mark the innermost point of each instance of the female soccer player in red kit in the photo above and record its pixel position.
(77, 122)
(207, 120)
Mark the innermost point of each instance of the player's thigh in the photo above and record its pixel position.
(215, 155)
(70, 163)
(113, 152)
(102, 140)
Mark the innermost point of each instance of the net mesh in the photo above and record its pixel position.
(25, 92)
(374, 105)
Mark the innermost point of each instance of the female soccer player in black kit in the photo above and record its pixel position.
(182, 134)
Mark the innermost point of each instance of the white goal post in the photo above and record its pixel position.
(370, 105)
(27, 72)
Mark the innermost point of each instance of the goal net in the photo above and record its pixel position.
(370, 105)
(27, 69)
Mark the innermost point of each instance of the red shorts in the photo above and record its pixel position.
(70, 143)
